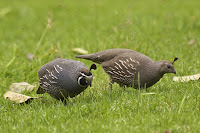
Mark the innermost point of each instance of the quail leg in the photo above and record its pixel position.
(110, 87)
(64, 102)
(124, 88)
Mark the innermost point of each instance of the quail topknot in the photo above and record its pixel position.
(63, 78)
(130, 68)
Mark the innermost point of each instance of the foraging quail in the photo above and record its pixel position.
(63, 78)
(130, 68)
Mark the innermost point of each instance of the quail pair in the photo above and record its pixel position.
(64, 78)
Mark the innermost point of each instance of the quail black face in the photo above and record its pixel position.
(85, 78)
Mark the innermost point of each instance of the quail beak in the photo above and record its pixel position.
(90, 84)
(174, 72)
(89, 80)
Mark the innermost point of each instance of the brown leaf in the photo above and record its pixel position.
(18, 98)
(21, 87)
(187, 78)
(80, 51)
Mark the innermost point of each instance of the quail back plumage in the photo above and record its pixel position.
(63, 78)
(130, 68)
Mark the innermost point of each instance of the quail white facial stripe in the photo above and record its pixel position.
(89, 78)
(83, 74)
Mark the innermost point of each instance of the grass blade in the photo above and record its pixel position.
(10, 62)
(181, 105)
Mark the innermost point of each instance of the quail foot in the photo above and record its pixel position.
(130, 68)
(63, 78)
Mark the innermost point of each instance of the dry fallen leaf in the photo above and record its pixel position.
(80, 51)
(18, 98)
(187, 78)
(21, 87)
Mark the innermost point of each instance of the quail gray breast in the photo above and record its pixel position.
(63, 78)
(130, 68)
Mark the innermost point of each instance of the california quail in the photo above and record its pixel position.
(125, 67)
(63, 78)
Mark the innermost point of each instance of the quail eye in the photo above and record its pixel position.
(98, 57)
(83, 82)
(168, 66)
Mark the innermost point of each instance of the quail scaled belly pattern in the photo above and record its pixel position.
(63, 78)
(130, 68)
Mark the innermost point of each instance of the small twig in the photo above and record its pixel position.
(48, 26)
(41, 38)
(59, 50)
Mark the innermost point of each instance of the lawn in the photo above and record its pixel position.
(160, 29)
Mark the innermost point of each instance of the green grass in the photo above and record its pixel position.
(161, 29)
